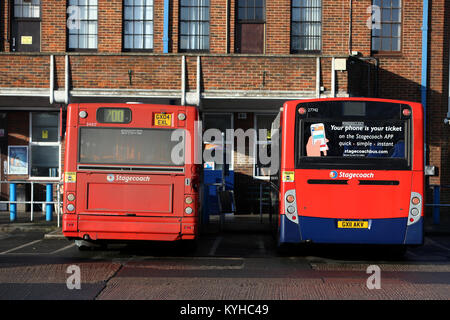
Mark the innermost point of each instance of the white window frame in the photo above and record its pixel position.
(145, 20)
(310, 21)
(29, 5)
(76, 31)
(42, 144)
(200, 22)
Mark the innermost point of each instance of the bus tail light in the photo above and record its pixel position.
(415, 208)
(290, 206)
(188, 200)
(188, 210)
(406, 112)
(70, 206)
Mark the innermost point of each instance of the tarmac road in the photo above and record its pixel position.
(228, 265)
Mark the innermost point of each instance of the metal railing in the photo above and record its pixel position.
(49, 202)
(437, 202)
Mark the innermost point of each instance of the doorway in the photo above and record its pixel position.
(216, 174)
(26, 26)
(250, 26)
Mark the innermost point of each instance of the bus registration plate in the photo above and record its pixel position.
(353, 224)
(163, 120)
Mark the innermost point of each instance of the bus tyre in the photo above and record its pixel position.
(83, 245)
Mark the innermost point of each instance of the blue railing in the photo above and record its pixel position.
(49, 203)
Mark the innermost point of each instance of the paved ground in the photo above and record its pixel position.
(235, 263)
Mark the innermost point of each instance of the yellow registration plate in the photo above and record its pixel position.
(353, 224)
(163, 119)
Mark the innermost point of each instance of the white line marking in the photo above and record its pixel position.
(215, 246)
(261, 246)
(437, 244)
(4, 236)
(22, 246)
(64, 248)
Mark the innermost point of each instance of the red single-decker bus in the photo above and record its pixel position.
(130, 172)
(351, 171)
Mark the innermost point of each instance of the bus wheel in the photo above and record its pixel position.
(83, 245)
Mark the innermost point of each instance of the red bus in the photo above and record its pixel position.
(121, 181)
(351, 171)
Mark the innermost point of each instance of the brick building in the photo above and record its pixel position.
(237, 60)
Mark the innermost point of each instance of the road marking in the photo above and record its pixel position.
(184, 263)
(4, 236)
(215, 246)
(437, 244)
(20, 247)
(409, 252)
(261, 246)
(64, 248)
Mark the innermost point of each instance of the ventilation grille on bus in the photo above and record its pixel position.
(361, 182)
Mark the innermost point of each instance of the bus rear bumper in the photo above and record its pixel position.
(325, 230)
(97, 227)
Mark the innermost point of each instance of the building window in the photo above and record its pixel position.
(83, 31)
(44, 145)
(306, 26)
(194, 25)
(386, 32)
(251, 10)
(250, 26)
(27, 9)
(138, 25)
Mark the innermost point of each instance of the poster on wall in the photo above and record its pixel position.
(18, 160)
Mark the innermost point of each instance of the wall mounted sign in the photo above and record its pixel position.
(26, 40)
(17, 159)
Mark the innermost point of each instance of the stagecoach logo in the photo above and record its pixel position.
(333, 174)
(126, 178)
(348, 175)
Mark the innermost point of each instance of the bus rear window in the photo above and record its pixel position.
(126, 146)
(353, 136)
